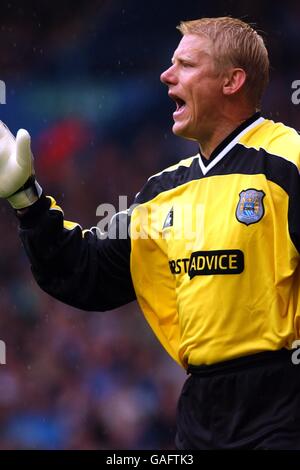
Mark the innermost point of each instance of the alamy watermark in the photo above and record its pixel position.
(2, 92)
(296, 93)
(167, 221)
(2, 352)
(296, 354)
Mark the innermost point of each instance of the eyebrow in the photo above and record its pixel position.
(182, 58)
(185, 56)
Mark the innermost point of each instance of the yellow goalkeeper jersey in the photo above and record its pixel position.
(215, 248)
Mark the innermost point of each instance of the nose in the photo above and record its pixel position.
(168, 76)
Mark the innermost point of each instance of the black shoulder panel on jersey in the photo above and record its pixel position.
(241, 160)
(251, 161)
(167, 180)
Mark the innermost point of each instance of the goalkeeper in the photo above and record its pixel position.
(223, 299)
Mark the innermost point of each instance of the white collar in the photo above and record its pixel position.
(206, 169)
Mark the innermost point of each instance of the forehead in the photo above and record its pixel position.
(193, 46)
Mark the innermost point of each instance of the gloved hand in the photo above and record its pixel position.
(17, 180)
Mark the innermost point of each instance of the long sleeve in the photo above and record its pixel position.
(75, 265)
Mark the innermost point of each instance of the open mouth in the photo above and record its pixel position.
(179, 104)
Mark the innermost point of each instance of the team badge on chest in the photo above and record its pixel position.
(250, 208)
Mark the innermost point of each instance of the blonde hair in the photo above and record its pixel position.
(235, 43)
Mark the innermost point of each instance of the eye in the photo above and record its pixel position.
(186, 64)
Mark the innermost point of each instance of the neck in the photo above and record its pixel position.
(210, 142)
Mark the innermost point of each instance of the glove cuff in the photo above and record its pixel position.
(27, 195)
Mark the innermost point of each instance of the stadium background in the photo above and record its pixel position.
(83, 78)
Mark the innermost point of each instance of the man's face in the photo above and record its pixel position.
(195, 87)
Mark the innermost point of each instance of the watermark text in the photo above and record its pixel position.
(2, 92)
(296, 93)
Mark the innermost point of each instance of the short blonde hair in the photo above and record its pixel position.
(235, 43)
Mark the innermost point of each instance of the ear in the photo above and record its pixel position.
(233, 81)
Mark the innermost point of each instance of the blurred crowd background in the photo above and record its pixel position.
(83, 78)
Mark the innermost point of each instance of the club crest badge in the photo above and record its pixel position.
(250, 208)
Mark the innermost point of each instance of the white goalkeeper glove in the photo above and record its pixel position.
(17, 180)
